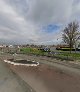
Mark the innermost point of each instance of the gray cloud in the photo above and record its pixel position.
(47, 11)
(20, 6)
(21, 21)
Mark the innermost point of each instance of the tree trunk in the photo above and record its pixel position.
(70, 48)
(75, 46)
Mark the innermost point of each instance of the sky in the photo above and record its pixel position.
(36, 21)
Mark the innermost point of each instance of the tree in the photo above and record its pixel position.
(71, 34)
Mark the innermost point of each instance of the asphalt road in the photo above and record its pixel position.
(10, 82)
(52, 74)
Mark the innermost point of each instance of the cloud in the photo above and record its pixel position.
(22, 21)
(47, 11)
(14, 25)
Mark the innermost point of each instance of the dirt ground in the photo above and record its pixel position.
(45, 78)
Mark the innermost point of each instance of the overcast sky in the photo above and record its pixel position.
(36, 21)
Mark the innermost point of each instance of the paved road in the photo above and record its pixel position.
(64, 66)
(49, 76)
(63, 75)
(10, 82)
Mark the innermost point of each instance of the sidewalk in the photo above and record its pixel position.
(10, 82)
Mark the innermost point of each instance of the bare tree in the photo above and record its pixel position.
(71, 34)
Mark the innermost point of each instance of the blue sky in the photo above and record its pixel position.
(51, 28)
(36, 21)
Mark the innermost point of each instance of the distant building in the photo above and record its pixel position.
(10, 46)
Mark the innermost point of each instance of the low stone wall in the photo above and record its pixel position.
(14, 63)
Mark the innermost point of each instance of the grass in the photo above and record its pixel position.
(70, 55)
(33, 51)
(62, 54)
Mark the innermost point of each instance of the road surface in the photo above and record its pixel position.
(10, 82)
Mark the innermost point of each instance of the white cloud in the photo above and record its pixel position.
(45, 11)
(21, 20)
(12, 21)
